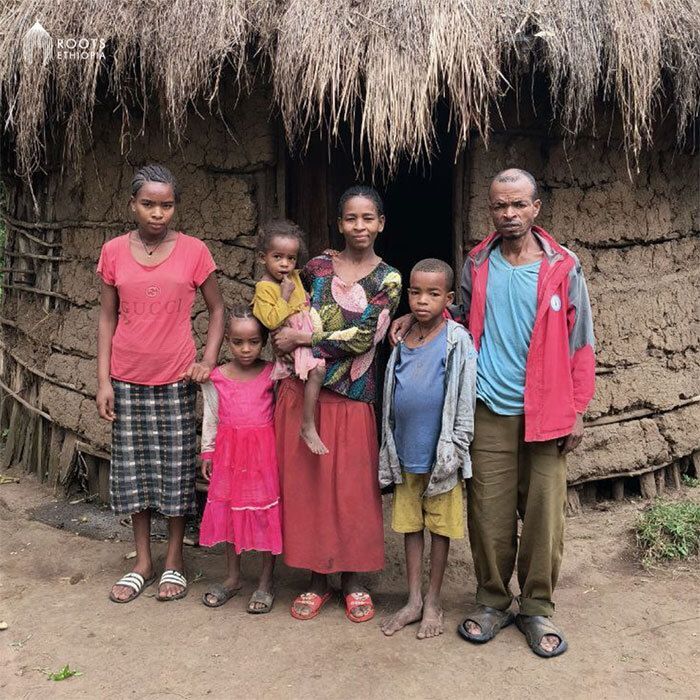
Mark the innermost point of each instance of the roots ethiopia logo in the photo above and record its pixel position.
(38, 43)
(37, 40)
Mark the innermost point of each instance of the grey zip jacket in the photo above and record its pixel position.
(457, 430)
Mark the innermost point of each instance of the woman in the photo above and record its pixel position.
(146, 366)
(332, 512)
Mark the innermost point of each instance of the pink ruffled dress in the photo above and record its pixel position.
(304, 360)
(243, 505)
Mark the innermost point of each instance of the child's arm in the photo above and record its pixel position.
(210, 424)
(106, 325)
(463, 432)
(269, 307)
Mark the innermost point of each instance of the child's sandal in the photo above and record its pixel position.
(261, 598)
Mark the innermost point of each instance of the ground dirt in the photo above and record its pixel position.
(631, 632)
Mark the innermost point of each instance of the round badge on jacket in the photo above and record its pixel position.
(555, 302)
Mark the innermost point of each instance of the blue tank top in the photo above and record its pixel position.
(419, 395)
(511, 304)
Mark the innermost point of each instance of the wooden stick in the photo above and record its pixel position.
(639, 413)
(43, 375)
(647, 485)
(24, 403)
(37, 240)
(660, 478)
(90, 450)
(44, 225)
(37, 256)
(618, 489)
(673, 476)
(9, 449)
(573, 502)
(41, 292)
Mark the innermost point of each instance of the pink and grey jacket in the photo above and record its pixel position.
(560, 368)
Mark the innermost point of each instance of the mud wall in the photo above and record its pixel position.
(639, 243)
(226, 169)
(637, 240)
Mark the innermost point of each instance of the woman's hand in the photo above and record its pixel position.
(198, 372)
(285, 340)
(206, 469)
(400, 327)
(105, 402)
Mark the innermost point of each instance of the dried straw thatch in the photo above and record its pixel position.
(386, 62)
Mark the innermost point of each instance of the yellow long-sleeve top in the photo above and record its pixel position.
(271, 309)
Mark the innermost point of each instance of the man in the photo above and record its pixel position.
(526, 305)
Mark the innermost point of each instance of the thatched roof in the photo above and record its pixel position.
(385, 61)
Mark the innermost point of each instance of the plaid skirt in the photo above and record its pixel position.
(154, 448)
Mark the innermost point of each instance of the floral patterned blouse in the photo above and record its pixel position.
(349, 322)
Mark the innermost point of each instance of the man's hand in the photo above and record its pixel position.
(105, 402)
(573, 439)
(286, 287)
(198, 372)
(399, 328)
(206, 469)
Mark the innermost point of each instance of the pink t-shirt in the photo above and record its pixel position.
(153, 342)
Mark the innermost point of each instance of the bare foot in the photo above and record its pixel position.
(431, 624)
(410, 613)
(313, 441)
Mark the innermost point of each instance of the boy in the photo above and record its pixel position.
(428, 423)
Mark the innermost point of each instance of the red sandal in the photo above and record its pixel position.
(359, 599)
(313, 600)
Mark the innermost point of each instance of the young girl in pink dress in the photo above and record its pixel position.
(281, 300)
(239, 461)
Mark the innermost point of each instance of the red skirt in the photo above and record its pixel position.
(332, 508)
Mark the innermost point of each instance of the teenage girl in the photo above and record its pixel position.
(239, 460)
(146, 366)
(280, 299)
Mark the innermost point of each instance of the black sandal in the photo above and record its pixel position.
(535, 627)
(491, 621)
(220, 593)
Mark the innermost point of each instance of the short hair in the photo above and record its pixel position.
(439, 266)
(360, 191)
(154, 173)
(244, 312)
(515, 174)
(280, 228)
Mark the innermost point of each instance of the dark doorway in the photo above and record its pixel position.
(418, 203)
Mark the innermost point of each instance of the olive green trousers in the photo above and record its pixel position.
(514, 478)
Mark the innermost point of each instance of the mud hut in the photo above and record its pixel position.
(272, 108)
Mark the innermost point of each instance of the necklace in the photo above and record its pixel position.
(155, 247)
(422, 337)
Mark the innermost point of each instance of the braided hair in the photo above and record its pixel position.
(244, 312)
(361, 191)
(154, 173)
